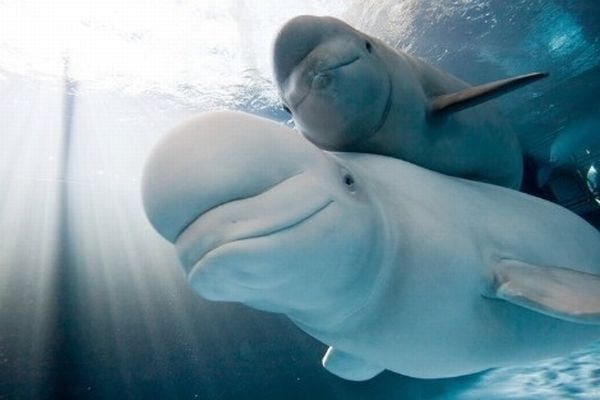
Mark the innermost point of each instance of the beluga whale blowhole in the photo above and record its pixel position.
(392, 265)
(348, 91)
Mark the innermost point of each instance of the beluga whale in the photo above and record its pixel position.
(348, 91)
(392, 265)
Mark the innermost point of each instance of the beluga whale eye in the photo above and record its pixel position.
(286, 109)
(349, 181)
(369, 46)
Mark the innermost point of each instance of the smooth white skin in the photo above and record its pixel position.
(392, 268)
(348, 91)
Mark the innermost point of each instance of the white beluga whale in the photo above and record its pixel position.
(348, 91)
(392, 265)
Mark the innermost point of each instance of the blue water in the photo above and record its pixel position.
(93, 303)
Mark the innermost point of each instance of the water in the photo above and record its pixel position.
(92, 301)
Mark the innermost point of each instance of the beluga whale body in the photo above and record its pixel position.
(392, 265)
(348, 91)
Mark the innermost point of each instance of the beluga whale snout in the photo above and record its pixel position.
(348, 91)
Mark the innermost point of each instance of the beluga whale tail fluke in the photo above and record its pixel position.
(392, 265)
(348, 91)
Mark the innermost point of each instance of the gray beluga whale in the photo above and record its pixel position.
(392, 265)
(348, 91)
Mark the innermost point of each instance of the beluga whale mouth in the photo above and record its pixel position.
(336, 65)
(321, 77)
(317, 77)
(264, 214)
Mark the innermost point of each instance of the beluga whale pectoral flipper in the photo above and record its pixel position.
(470, 97)
(559, 292)
(348, 366)
(348, 91)
(392, 265)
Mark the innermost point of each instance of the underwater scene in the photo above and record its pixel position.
(243, 199)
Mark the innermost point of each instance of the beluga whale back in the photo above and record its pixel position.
(392, 265)
(348, 91)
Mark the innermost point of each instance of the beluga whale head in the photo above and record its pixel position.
(319, 62)
(348, 91)
(251, 221)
